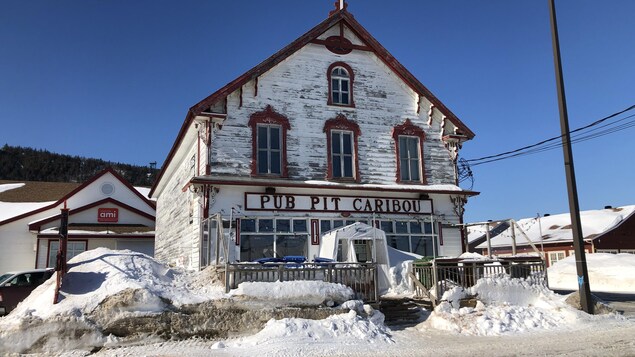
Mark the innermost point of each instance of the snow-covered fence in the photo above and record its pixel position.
(437, 276)
(361, 277)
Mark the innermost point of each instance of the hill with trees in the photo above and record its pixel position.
(28, 164)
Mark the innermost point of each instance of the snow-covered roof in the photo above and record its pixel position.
(557, 228)
(12, 209)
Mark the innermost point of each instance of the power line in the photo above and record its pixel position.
(540, 146)
(578, 138)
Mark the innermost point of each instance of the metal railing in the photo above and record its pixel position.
(440, 275)
(360, 277)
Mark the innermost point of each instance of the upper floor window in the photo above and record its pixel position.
(342, 153)
(269, 144)
(340, 76)
(409, 149)
(409, 160)
(269, 149)
(342, 148)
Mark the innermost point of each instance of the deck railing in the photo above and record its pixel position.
(441, 275)
(360, 277)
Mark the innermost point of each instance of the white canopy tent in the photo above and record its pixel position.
(359, 240)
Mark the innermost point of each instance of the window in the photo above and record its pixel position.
(340, 77)
(28, 279)
(417, 237)
(342, 148)
(269, 149)
(555, 257)
(269, 144)
(73, 248)
(409, 149)
(342, 153)
(269, 237)
(409, 160)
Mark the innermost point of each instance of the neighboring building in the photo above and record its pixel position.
(610, 230)
(330, 130)
(476, 234)
(105, 211)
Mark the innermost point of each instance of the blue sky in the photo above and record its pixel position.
(114, 79)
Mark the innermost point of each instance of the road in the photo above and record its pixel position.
(624, 303)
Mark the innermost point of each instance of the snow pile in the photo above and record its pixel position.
(99, 273)
(504, 306)
(295, 293)
(107, 294)
(101, 285)
(344, 328)
(607, 273)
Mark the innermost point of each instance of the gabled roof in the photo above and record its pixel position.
(335, 17)
(79, 188)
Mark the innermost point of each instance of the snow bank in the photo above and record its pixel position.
(95, 277)
(295, 293)
(345, 328)
(109, 293)
(505, 306)
(99, 273)
(607, 273)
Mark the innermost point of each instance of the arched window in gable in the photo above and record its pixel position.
(341, 78)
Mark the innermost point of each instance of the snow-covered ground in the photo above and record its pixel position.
(512, 317)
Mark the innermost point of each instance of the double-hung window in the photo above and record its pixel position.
(409, 140)
(269, 149)
(341, 137)
(409, 160)
(342, 153)
(269, 144)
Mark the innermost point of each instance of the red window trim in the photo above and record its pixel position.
(409, 129)
(340, 122)
(237, 230)
(351, 82)
(268, 116)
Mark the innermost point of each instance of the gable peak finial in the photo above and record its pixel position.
(340, 5)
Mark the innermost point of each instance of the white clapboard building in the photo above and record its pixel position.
(104, 211)
(328, 131)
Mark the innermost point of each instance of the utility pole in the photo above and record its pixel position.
(574, 209)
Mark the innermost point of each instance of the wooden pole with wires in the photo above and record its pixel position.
(574, 208)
